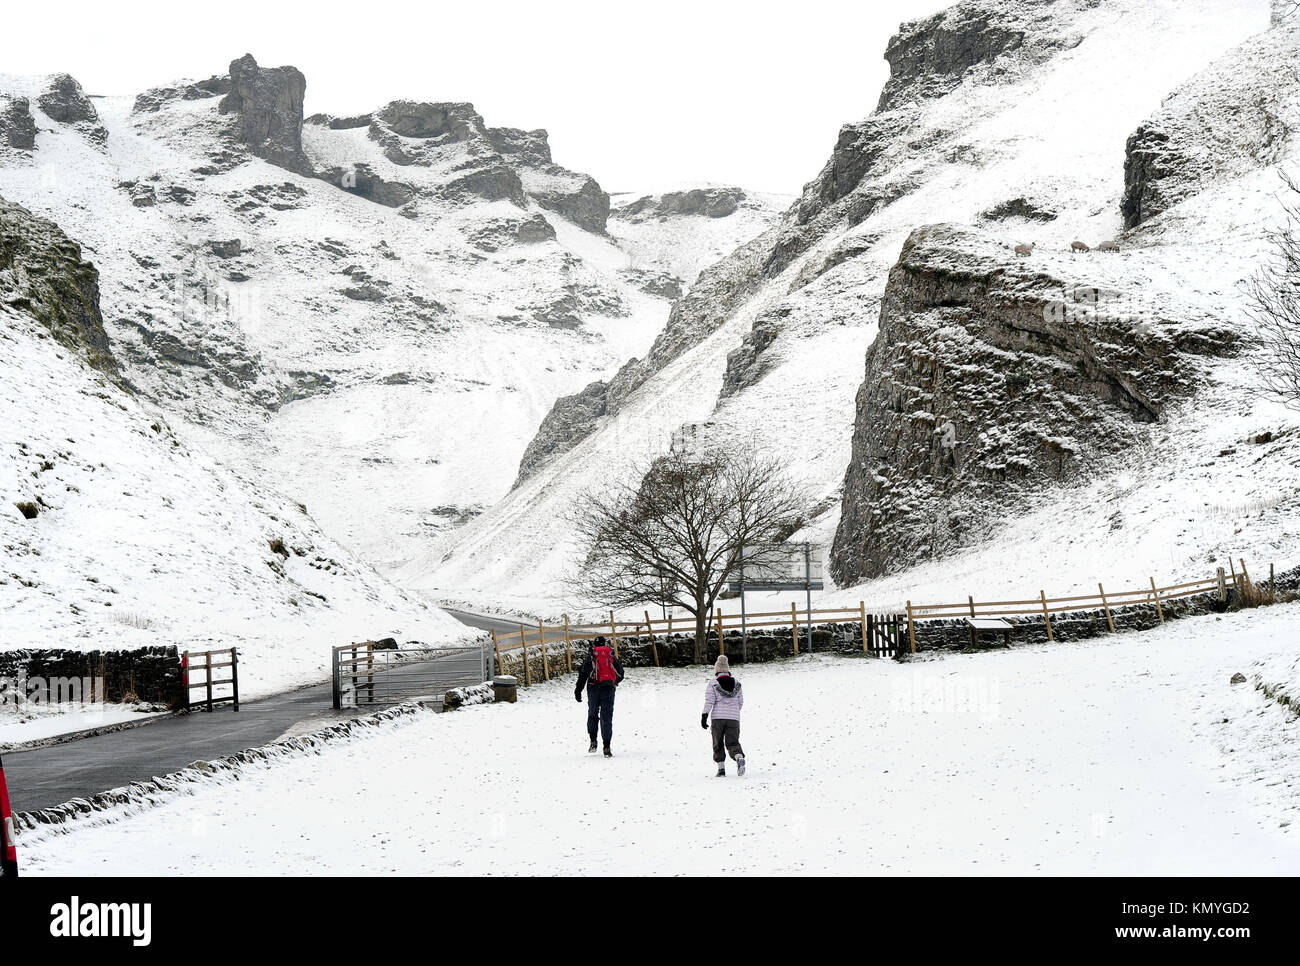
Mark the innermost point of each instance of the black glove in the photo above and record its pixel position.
(577, 696)
(704, 721)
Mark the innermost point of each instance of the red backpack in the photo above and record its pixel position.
(602, 665)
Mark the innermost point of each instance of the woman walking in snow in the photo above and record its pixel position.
(723, 700)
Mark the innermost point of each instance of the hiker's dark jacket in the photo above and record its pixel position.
(587, 675)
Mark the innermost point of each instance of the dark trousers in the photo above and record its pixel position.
(726, 734)
(600, 707)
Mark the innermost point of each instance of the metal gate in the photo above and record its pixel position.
(368, 674)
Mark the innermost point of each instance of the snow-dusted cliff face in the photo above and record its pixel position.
(994, 376)
(118, 531)
(371, 314)
(1010, 119)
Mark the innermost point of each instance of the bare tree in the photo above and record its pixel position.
(674, 536)
(1273, 303)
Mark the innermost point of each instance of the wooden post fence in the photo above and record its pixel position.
(568, 650)
(654, 648)
(722, 641)
(1047, 618)
(911, 633)
(541, 642)
(496, 647)
(794, 627)
(862, 612)
(528, 674)
(613, 630)
(1160, 611)
(1109, 620)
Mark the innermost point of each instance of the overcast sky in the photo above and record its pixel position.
(639, 95)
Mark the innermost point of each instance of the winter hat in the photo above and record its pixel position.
(722, 665)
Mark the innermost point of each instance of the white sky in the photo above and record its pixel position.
(640, 96)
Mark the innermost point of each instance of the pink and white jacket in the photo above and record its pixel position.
(723, 698)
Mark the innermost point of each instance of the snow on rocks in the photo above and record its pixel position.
(767, 347)
(388, 369)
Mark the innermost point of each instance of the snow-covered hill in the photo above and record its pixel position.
(118, 531)
(1011, 123)
(371, 314)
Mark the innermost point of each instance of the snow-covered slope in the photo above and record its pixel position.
(118, 531)
(371, 314)
(1012, 119)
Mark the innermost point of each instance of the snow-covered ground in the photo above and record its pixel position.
(34, 722)
(1126, 755)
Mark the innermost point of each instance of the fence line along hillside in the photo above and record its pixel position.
(543, 650)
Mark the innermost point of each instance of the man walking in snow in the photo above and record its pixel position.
(601, 672)
(723, 700)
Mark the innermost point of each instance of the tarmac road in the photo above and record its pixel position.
(52, 775)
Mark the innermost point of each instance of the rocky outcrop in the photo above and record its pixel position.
(62, 100)
(577, 197)
(486, 164)
(529, 148)
(17, 127)
(154, 99)
(746, 364)
(715, 202)
(929, 57)
(659, 284)
(1021, 207)
(572, 418)
(267, 102)
(43, 275)
(416, 132)
(503, 233)
(423, 120)
(361, 180)
(142, 193)
(489, 179)
(990, 379)
(1236, 116)
(693, 318)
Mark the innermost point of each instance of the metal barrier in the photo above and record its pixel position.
(370, 674)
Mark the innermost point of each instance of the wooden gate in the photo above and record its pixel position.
(885, 634)
(203, 663)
